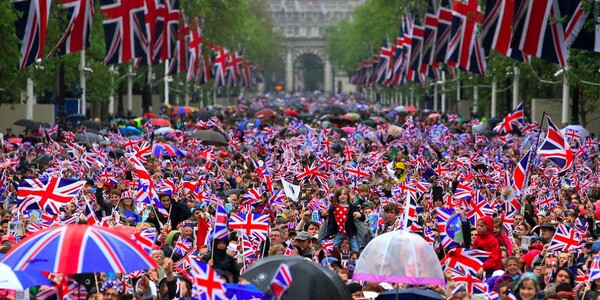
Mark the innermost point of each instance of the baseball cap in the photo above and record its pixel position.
(303, 236)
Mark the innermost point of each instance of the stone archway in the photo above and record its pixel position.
(308, 73)
(308, 60)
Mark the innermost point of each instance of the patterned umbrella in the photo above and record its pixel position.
(74, 249)
(160, 149)
(19, 280)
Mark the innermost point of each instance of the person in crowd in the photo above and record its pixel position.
(341, 218)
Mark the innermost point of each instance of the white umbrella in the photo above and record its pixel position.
(577, 129)
(399, 257)
(20, 280)
(400, 108)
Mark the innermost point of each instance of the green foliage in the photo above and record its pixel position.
(9, 77)
(235, 24)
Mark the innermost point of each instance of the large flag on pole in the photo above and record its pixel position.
(31, 29)
(556, 148)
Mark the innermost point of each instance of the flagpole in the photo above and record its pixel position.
(82, 70)
(537, 141)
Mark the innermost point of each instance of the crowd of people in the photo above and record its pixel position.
(360, 175)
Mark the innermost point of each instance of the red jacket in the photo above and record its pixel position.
(488, 242)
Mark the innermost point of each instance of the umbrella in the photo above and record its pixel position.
(411, 109)
(576, 132)
(130, 130)
(309, 280)
(204, 115)
(43, 159)
(29, 124)
(333, 110)
(20, 280)
(399, 257)
(349, 129)
(184, 110)
(76, 118)
(409, 294)
(14, 140)
(400, 109)
(370, 123)
(291, 112)
(434, 116)
(150, 115)
(210, 137)
(242, 291)
(88, 138)
(160, 122)
(89, 124)
(265, 113)
(160, 149)
(75, 249)
(163, 130)
(352, 116)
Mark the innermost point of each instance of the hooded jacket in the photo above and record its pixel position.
(488, 242)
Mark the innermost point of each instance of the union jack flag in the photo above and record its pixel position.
(124, 30)
(512, 121)
(444, 27)
(251, 224)
(465, 48)
(497, 28)
(479, 208)
(182, 246)
(327, 245)
(566, 239)
(178, 63)
(195, 48)
(220, 64)
(220, 228)
(281, 280)
(581, 279)
(469, 261)
(65, 289)
(594, 272)
(77, 36)
(540, 36)
(207, 285)
(471, 283)
(31, 29)
(145, 239)
(520, 173)
(170, 14)
(49, 194)
(556, 148)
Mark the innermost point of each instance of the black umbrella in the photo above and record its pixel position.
(409, 294)
(370, 123)
(210, 137)
(89, 124)
(309, 280)
(29, 124)
(204, 115)
(333, 110)
(43, 159)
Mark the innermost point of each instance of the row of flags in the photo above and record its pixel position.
(458, 34)
(147, 32)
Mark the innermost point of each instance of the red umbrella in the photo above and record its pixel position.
(14, 140)
(150, 115)
(264, 113)
(291, 112)
(75, 249)
(411, 109)
(160, 122)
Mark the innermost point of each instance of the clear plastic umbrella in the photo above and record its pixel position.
(575, 131)
(399, 257)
